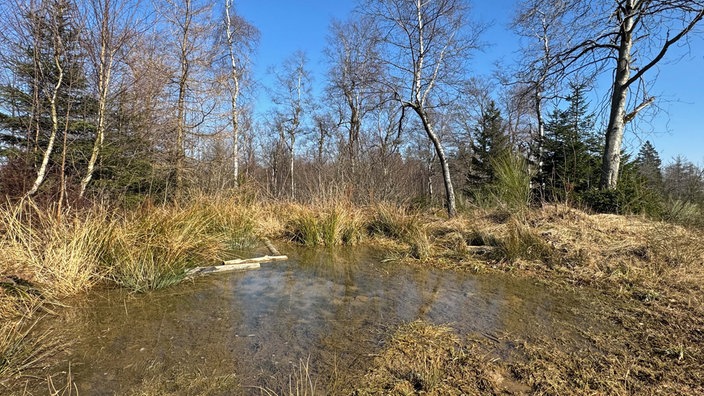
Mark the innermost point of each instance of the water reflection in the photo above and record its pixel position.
(334, 309)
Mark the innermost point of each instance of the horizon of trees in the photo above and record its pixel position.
(100, 98)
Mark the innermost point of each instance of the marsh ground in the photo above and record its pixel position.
(640, 331)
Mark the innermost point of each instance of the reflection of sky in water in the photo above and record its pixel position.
(335, 311)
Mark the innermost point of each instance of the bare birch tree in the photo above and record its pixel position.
(240, 37)
(109, 29)
(191, 28)
(428, 46)
(355, 68)
(626, 38)
(294, 105)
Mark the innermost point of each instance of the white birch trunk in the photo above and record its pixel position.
(234, 93)
(41, 173)
(104, 74)
(611, 160)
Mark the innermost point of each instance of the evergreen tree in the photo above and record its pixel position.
(571, 149)
(490, 143)
(648, 166)
(50, 29)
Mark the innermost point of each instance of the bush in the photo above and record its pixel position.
(631, 196)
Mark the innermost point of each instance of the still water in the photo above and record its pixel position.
(331, 310)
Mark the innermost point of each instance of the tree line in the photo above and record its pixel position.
(124, 99)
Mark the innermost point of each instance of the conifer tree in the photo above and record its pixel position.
(47, 99)
(571, 149)
(648, 165)
(490, 143)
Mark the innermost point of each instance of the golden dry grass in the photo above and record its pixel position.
(60, 253)
(653, 271)
(432, 360)
(323, 225)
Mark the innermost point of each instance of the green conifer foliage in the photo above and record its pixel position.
(649, 166)
(490, 143)
(571, 159)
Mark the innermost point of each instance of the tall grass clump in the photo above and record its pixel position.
(522, 243)
(152, 248)
(682, 212)
(22, 348)
(511, 188)
(396, 223)
(229, 218)
(59, 251)
(325, 226)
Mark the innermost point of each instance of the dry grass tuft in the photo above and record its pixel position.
(152, 249)
(60, 253)
(397, 223)
(23, 349)
(333, 225)
(425, 359)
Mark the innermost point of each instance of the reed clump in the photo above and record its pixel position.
(325, 226)
(151, 249)
(59, 252)
(232, 219)
(522, 243)
(398, 224)
(22, 348)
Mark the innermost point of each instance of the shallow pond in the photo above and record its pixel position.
(251, 330)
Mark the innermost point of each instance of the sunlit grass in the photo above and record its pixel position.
(332, 225)
(405, 227)
(60, 251)
(152, 249)
(22, 348)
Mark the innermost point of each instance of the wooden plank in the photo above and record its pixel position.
(481, 249)
(234, 265)
(263, 259)
(270, 246)
(220, 268)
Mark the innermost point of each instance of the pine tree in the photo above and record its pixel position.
(51, 38)
(490, 143)
(571, 149)
(648, 166)
(684, 181)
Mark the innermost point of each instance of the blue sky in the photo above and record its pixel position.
(289, 25)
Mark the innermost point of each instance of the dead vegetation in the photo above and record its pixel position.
(432, 360)
(650, 273)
